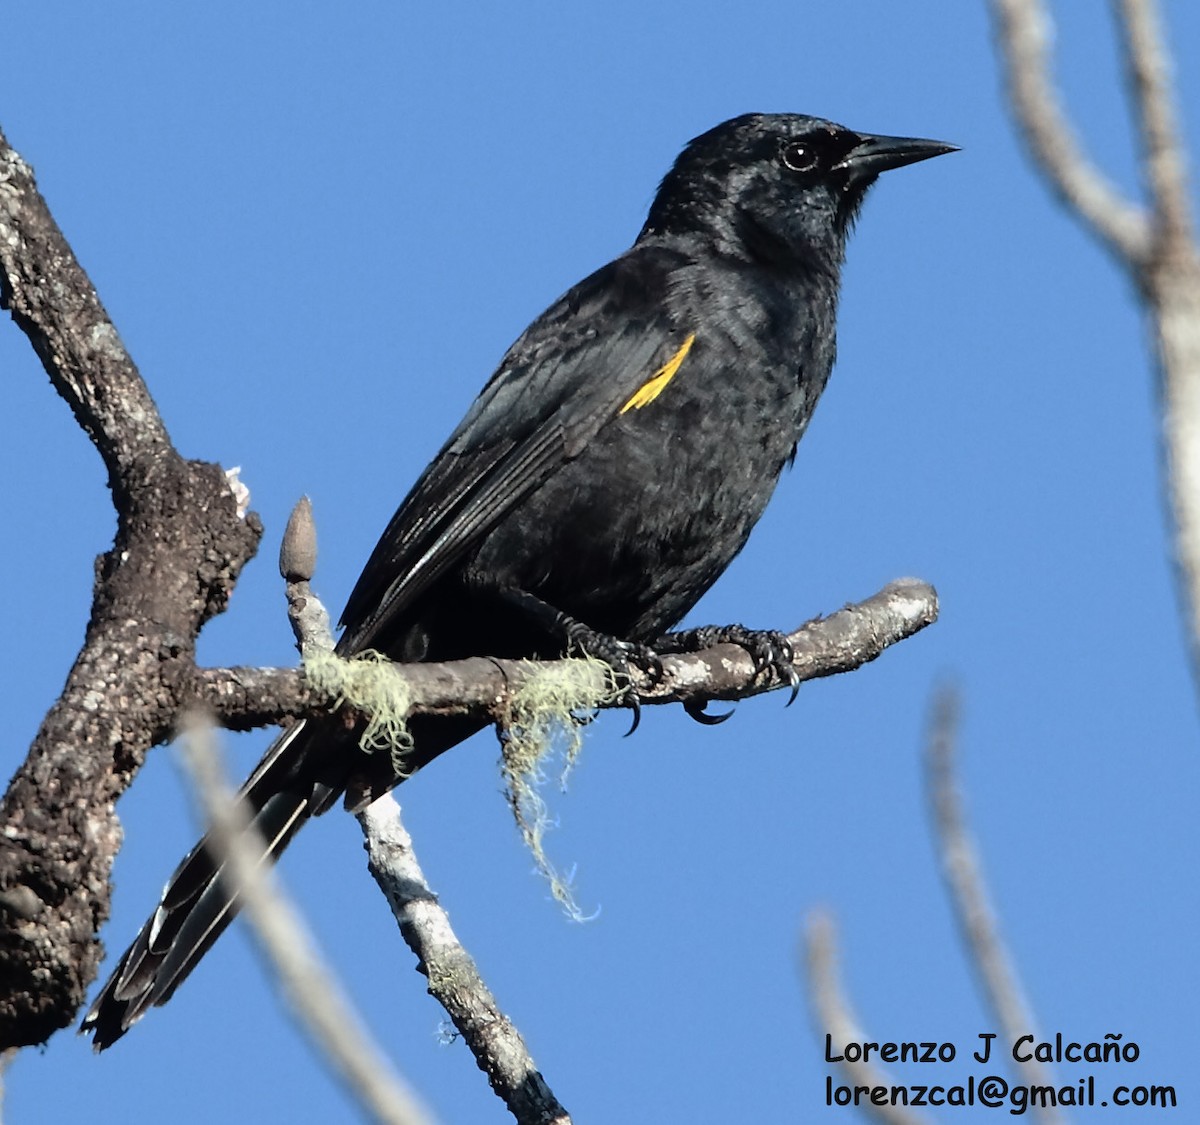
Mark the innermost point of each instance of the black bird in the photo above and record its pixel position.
(605, 476)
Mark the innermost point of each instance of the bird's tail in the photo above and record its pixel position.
(197, 904)
(303, 773)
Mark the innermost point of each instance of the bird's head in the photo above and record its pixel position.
(777, 187)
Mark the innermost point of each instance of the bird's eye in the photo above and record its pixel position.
(799, 156)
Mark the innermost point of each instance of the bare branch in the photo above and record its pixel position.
(968, 893)
(54, 304)
(1022, 34)
(454, 980)
(308, 985)
(834, 1017)
(1157, 249)
(1169, 280)
(243, 698)
(1166, 163)
(181, 542)
(1175, 313)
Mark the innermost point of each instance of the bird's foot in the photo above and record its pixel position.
(625, 658)
(770, 651)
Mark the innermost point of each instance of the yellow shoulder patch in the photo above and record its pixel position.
(656, 384)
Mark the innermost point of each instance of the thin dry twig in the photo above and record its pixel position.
(1169, 281)
(835, 1018)
(307, 983)
(454, 979)
(1023, 32)
(1150, 82)
(1156, 246)
(963, 872)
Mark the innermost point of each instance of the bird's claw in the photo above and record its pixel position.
(770, 652)
(628, 660)
(696, 709)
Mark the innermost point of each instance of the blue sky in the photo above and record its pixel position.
(317, 229)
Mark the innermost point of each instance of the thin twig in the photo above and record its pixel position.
(1022, 31)
(1157, 249)
(1169, 281)
(835, 1018)
(454, 980)
(968, 894)
(1150, 82)
(308, 985)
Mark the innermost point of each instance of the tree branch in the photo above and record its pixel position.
(454, 980)
(242, 698)
(1158, 249)
(309, 986)
(963, 873)
(834, 1017)
(52, 301)
(181, 542)
(1022, 36)
(1166, 161)
(1169, 280)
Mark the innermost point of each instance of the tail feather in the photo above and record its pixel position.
(197, 904)
(300, 776)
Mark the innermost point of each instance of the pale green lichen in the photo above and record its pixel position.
(371, 684)
(543, 721)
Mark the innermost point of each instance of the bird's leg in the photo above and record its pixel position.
(769, 650)
(621, 656)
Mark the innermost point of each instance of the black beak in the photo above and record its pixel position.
(873, 155)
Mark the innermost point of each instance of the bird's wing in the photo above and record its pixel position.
(607, 346)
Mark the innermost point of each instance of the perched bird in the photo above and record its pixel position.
(608, 472)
